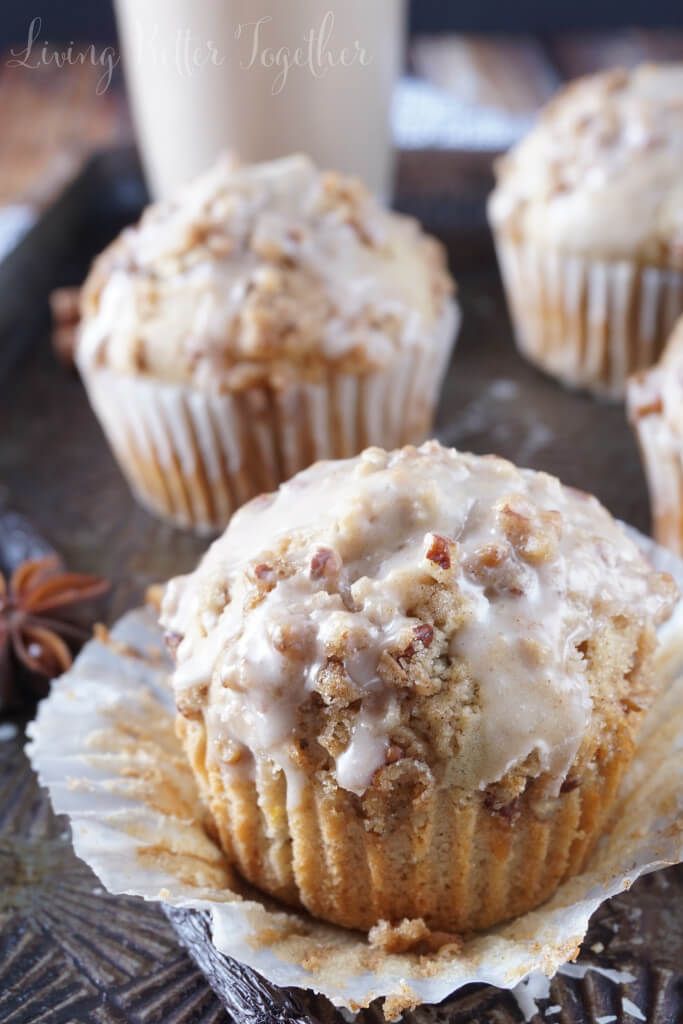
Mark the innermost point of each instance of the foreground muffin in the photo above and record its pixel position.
(588, 221)
(655, 408)
(409, 684)
(268, 316)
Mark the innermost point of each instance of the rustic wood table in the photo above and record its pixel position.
(69, 951)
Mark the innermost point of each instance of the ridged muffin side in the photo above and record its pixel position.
(419, 852)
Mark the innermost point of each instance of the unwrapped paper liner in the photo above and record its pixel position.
(104, 745)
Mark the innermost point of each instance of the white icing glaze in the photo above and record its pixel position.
(600, 173)
(381, 521)
(331, 268)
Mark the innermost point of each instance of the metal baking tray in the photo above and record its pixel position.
(68, 950)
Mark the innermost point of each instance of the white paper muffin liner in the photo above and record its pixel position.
(104, 745)
(662, 456)
(588, 322)
(193, 457)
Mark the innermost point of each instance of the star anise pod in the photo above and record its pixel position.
(36, 631)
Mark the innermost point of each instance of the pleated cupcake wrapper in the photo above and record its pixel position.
(458, 867)
(588, 322)
(104, 744)
(193, 457)
(662, 456)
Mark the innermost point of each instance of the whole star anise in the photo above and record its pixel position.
(36, 632)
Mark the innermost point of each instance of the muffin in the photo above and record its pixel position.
(655, 408)
(269, 316)
(409, 683)
(587, 216)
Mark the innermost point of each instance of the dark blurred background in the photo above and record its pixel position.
(478, 72)
(94, 19)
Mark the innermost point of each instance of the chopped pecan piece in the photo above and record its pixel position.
(422, 635)
(439, 551)
(508, 811)
(325, 563)
(569, 785)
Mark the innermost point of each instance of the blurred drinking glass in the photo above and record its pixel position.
(262, 78)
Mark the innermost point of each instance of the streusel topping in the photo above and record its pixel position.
(600, 173)
(256, 273)
(422, 603)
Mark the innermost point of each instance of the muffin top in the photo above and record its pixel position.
(659, 390)
(600, 173)
(255, 273)
(420, 605)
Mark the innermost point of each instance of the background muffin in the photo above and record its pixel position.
(655, 408)
(409, 683)
(269, 316)
(588, 220)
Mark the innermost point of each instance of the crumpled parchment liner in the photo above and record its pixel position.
(104, 745)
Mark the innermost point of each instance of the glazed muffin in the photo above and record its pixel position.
(269, 316)
(655, 408)
(587, 216)
(409, 683)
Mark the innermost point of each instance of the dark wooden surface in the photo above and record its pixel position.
(68, 951)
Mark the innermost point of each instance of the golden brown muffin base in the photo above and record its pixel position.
(458, 864)
(588, 322)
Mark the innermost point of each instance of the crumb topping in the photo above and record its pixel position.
(252, 273)
(600, 172)
(411, 935)
(420, 609)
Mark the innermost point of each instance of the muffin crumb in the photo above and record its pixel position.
(411, 935)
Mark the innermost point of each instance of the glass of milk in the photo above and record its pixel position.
(262, 78)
